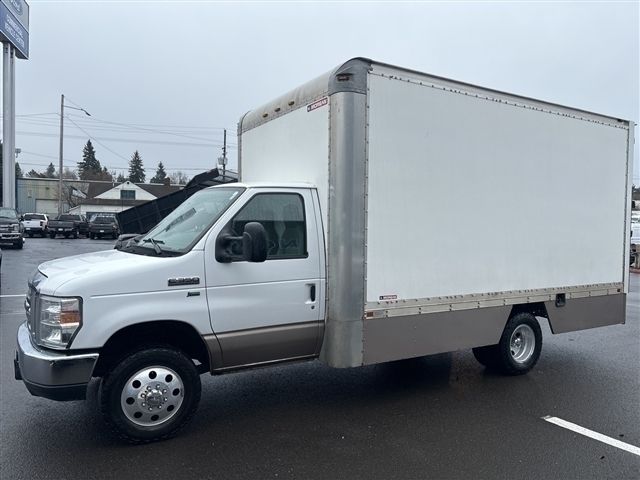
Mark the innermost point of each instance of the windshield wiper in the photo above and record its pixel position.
(155, 244)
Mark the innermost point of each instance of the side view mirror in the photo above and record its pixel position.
(250, 247)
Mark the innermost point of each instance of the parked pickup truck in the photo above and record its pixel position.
(11, 229)
(35, 224)
(103, 226)
(68, 225)
(350, 250)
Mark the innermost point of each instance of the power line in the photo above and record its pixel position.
(123, 140)
(186, 127)
(115, 167)
(55, 124)
(98, 141)
(164, 132)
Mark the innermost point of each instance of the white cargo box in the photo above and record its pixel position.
(445, 204)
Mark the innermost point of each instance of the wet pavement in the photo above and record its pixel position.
(441, 416)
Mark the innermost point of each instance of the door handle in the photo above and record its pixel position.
(312, 292)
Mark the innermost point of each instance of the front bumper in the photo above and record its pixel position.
(50, 374)
(10, 237)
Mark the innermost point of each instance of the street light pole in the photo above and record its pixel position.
(61, 149)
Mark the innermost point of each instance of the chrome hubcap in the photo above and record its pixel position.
(152, 396)
(522, 343)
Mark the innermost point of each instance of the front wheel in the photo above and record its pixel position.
(150, 395)
(519, 347)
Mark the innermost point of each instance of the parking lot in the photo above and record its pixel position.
(435, 417)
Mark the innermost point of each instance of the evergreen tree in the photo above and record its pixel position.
(160, 175)
(105, 175)
(136, 169)
(33, 174)
(18, 170)
(121, 178)
(89, 168)
(50, 172)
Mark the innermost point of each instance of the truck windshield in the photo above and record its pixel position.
(183, 227)
(8, 213)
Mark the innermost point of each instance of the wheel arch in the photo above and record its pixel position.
(537, 309)
(173, 333)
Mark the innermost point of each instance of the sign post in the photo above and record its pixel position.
(14, 34)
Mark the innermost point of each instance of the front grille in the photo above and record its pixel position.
(31, 309)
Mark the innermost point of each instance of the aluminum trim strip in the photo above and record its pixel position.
(483, 300)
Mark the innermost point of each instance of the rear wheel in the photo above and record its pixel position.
(30, 235)
(52, 235)
(519, 347)
(150, 395)
(75, 234)
(92, 236)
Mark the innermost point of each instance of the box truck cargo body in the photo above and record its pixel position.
(407, 164)
(348, 239)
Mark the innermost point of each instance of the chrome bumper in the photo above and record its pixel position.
(50, 374)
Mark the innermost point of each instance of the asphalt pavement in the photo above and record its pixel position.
(441, 416)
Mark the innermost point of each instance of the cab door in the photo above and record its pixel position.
(269, 311)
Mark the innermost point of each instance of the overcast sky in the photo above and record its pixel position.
(193, 68)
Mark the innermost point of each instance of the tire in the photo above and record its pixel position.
(92, 236)
(66, 235)
(519, 348)
(52, 235)
(122, 394)
(75, 234)
(30, 235)
(18, 245)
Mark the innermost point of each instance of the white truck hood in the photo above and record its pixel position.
(112, 272)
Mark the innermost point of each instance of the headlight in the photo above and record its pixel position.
(59, 319)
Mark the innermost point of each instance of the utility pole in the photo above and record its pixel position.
(224, 155)
(62, 106)
(61, 148)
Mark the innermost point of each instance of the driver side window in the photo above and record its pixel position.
(282, 216)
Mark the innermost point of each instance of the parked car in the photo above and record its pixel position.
(103, 226)
(68, 225)
(35, 224)
(11, 229)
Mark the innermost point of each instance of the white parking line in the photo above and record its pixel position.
(591, 434)
(9, 296)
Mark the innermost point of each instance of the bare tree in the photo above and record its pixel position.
(179, 178)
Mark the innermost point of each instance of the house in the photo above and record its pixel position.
(104, 197)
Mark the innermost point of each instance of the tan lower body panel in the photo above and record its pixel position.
(588, 312)
(394, 338)
(264, 345)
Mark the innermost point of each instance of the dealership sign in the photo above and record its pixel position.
(14, 25)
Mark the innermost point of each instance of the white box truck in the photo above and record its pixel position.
(347, 240)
